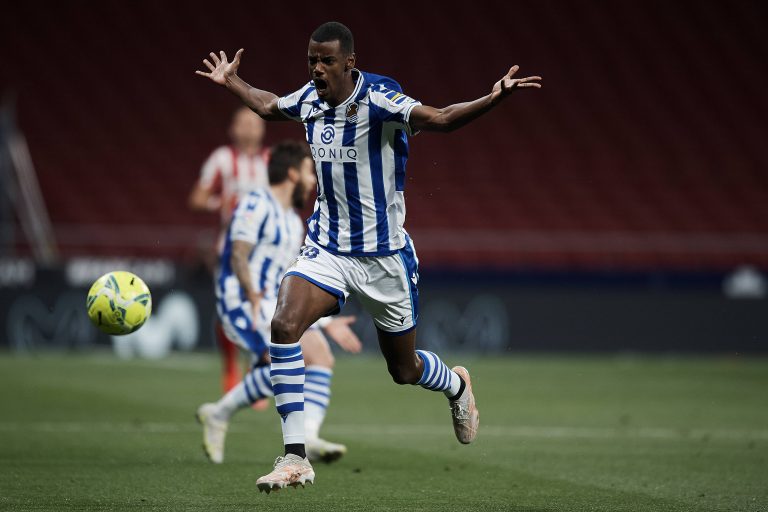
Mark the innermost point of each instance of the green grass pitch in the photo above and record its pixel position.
(572, 434)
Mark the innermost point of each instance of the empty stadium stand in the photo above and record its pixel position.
(647, 147)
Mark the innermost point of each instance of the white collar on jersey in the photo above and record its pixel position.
(358, 86)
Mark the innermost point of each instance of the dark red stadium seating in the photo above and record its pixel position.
(645, 148)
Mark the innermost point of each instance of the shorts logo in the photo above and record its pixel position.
(402, 320)
(352, 112)
(308, 252)
(329, 132)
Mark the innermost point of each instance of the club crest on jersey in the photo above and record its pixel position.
(352, 112)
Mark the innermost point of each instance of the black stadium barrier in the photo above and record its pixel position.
(44, 309)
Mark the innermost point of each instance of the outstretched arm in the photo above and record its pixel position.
(455, 116)
(224, 73)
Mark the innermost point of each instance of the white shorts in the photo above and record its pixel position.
(385, 285)
(236, 316)
(237, 322)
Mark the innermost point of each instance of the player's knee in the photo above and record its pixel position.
(404, 375)
(319, 359)
(284, 330)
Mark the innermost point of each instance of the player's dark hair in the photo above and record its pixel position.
(289, 153)
(335, 31)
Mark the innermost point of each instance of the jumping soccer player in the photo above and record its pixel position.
(263, 239)
(355, 123)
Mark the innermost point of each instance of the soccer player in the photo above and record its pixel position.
(229, 173)
(263, 239)
(356, 127)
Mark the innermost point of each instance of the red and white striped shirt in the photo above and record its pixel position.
(233, 174)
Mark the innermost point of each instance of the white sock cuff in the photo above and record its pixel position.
(293, 428)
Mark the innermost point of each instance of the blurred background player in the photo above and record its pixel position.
(229, 173)
(262, 241)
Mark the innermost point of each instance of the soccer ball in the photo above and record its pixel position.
(119, 303)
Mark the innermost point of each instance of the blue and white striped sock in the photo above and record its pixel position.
(287, 376)
(317, 395)
(437, 376)
(255, 385)
(258, 384)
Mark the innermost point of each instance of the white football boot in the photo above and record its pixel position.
(290, 470)
(324, 451)
(466, 417)
(214, 432)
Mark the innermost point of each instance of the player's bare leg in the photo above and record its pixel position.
(406, 365)
(403, 364)
(299, 305)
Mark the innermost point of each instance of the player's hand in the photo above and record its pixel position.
(507, 84)
(221, 70)
(339, 330)
(213, 203)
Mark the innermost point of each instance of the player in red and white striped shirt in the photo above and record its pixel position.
(229, 173)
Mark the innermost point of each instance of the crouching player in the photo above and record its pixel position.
(262, 241)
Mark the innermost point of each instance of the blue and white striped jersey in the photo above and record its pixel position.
(360, 151)
(276, 233)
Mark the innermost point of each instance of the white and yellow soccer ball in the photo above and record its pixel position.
(119, 303)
